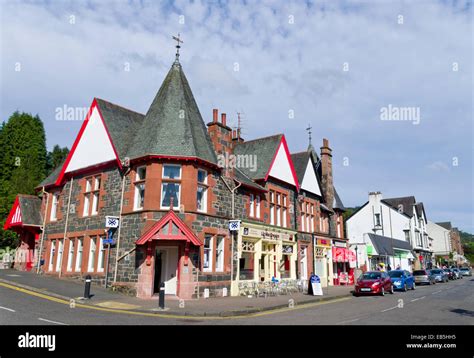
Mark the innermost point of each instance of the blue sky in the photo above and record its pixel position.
(291, 58)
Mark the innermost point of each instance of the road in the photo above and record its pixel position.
(447, 304)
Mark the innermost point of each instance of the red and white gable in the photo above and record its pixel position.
(282, 167)
(310, 182)
(93, 145)
(14, 218)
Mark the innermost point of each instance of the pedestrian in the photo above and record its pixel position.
(382, 267)
(389, 268)
(398, 267)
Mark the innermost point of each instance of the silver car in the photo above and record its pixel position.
(457, 273)
(466, 271)
(423, 276)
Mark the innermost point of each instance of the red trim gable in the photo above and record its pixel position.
(78, 139)
(288, 156)
(14, 217)
(152, 233)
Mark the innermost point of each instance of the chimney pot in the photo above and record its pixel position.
(214, 115)
(223, 116)
(325, 142)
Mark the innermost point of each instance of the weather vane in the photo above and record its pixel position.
(178, 41)
(309, 132)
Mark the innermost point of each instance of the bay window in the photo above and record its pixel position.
(171, 186)
(202, 191)
(140, 177)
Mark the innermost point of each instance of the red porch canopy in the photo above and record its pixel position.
(169, 227)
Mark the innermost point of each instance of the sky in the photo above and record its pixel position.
(347, 68)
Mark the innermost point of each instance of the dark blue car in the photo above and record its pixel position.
(402, 280)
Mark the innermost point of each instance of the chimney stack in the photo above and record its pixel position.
(214, 115)
(223, 119)
(326, 173)
(220, 134)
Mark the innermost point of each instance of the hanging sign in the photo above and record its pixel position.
(112, 221)
(234, 225)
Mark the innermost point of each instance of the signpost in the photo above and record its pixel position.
(112, 223)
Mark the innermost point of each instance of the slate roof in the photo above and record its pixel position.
(300, 161)
(385, 245)
(51, 178)
(121, 123)
(245, 180)
(30, 207)
(338, 202)
(447, 225)
(407, 202)
(265, 149)
(165, 132)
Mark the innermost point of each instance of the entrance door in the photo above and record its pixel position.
(166, 269)
(304, 264)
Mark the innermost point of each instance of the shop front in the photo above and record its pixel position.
(264, 254)
(305, 256)
(322, 259)
(344, 262)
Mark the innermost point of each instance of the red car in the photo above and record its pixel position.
(373, 282)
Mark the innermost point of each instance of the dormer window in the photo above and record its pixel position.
(140, 177)
(202, 190)
(171, 186)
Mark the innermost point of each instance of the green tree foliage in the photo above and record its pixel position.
(55, 158)
(22, 163)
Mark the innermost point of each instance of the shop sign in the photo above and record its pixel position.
(266, 234)
(323, 242)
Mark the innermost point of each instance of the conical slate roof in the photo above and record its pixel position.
(173, 125)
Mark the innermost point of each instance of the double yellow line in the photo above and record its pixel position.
(137, 313)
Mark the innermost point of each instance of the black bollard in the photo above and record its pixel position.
(87, 289)
(161, 300)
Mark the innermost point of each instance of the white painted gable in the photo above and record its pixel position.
(94, 146)
(281, 168)
(310, 182)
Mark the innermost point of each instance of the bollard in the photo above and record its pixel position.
(161, 300)
(87, 289)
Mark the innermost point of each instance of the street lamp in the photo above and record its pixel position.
(357, 256)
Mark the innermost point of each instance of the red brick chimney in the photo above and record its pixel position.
(220, 133)
(326, 174)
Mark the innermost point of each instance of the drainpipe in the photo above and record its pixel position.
(233, 216)
(42, 229)
(120, 225)
(71, 182)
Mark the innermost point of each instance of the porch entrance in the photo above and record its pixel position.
(166, 269)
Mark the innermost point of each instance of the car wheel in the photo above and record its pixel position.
(405, 288)
(382, 291)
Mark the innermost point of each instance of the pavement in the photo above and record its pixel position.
(72, 291)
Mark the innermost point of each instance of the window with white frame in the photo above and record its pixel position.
(257, 206)
(91, 196)
(70, 255)
(251, 206)
(52, 250)
(91, 259)
(207, 259)
(140, 177)
(101, 258)
(60, 255)
(54, 207)
(220, 254)
(79, 254)
(377, 220)
(202, 190)
(87, 199)
(171, 186)
(95, 196)
(272, 208)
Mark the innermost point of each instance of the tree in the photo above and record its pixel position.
(22, 163)
(55, 158)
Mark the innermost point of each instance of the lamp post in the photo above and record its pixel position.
(357, 256)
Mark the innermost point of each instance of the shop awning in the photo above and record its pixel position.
(386, 246)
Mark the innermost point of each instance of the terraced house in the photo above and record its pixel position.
(174, 183)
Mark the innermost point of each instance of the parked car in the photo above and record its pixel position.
(466, 271)
(424, 276)
(440, 275)
(457, 273)
(450, 273)
(373, 282)
(402, 280)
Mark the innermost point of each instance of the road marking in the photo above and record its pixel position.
(55, 322)
(13, 275)
(416, 299)
(389, 309)
(348, 321)
(434, 293)
(91, 307)
(8, 309)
